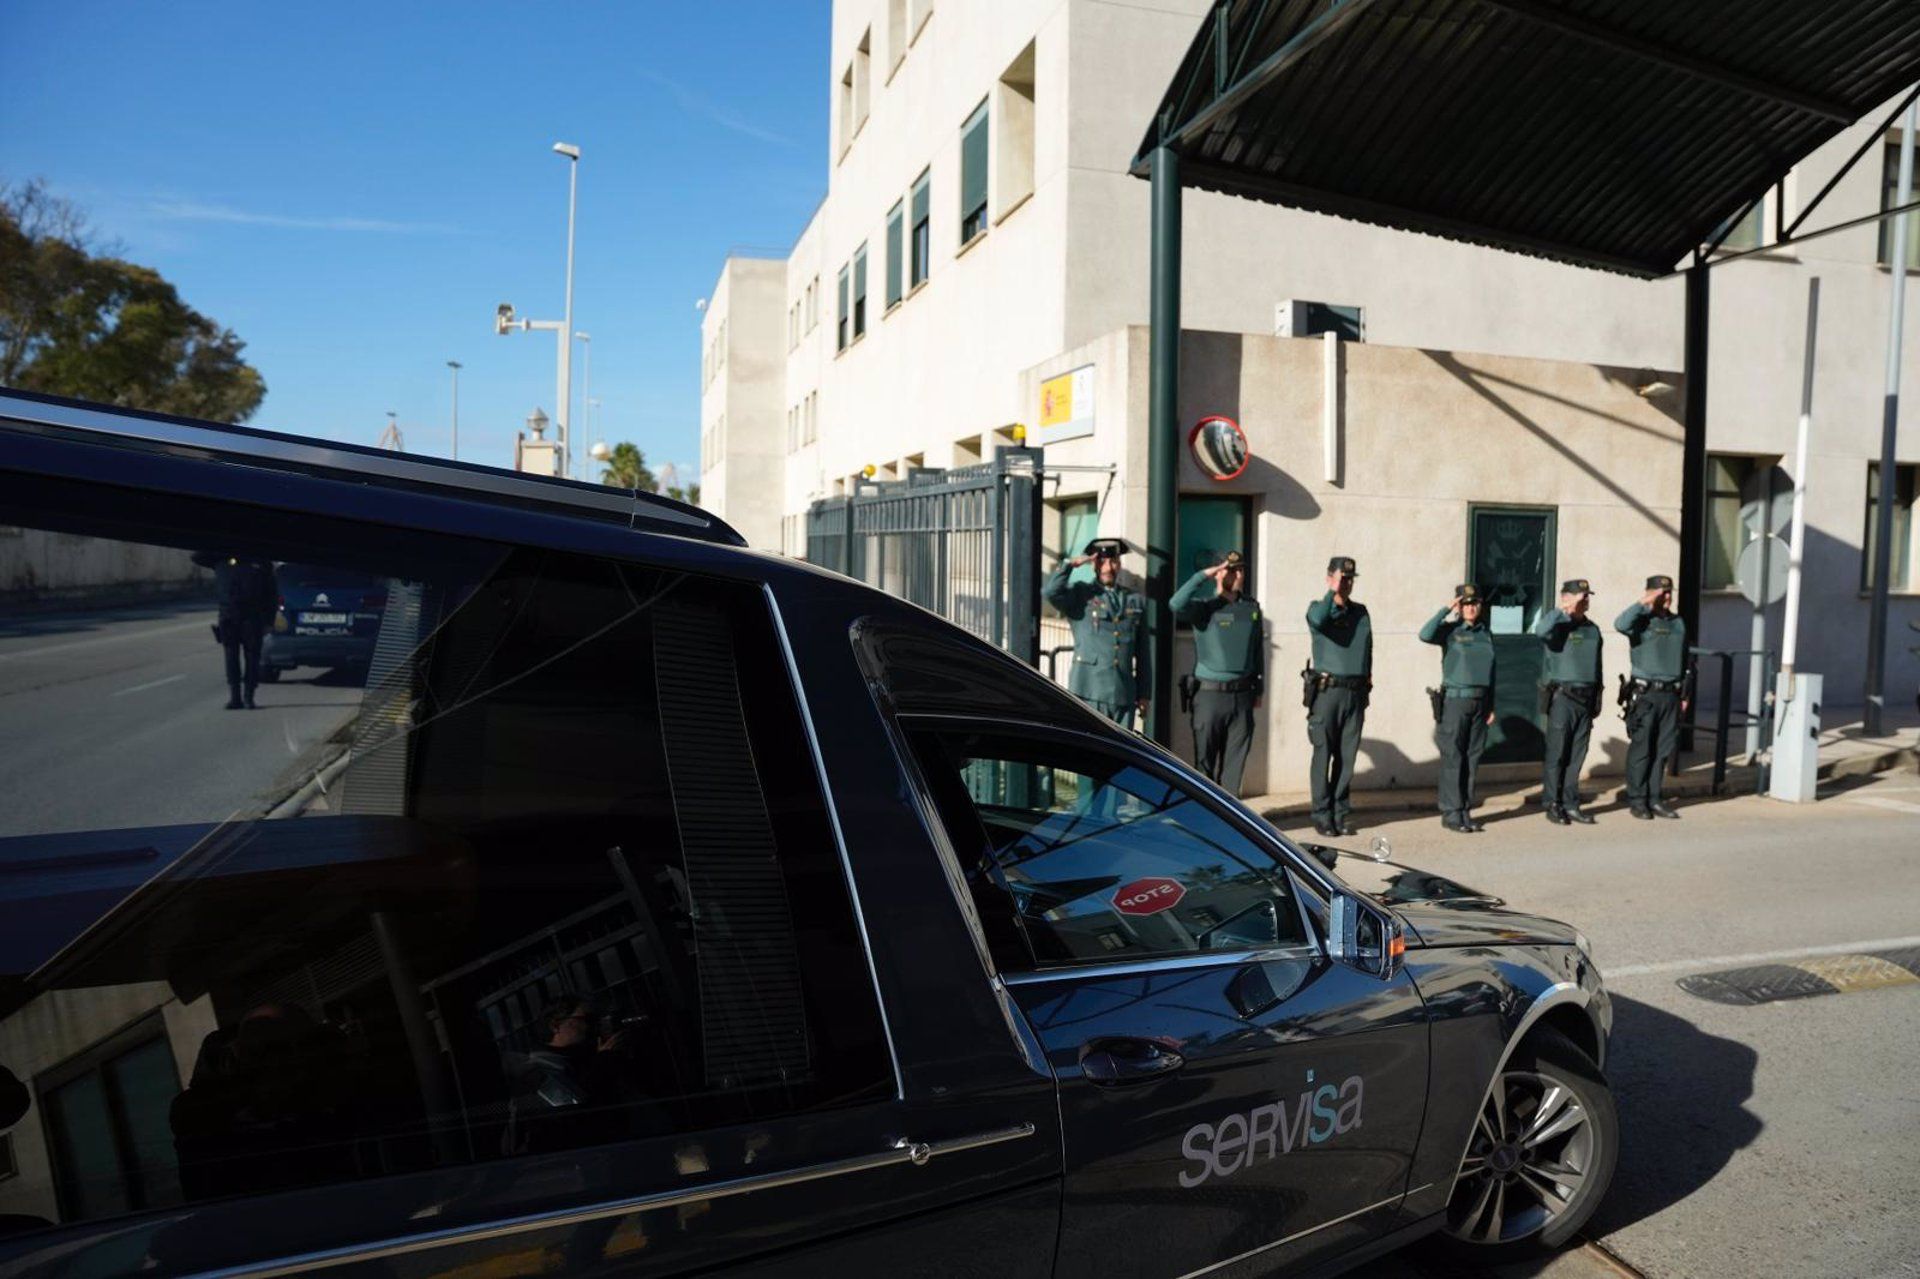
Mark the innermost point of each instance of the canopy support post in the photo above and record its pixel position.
(1889, 489)
(1163, 431)
(1693, 465)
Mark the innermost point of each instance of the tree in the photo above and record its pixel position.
(80, 321)
(690, 494)
(627, 469)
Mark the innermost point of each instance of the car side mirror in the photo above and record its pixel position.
(1363, 937)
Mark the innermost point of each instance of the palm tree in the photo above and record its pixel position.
(626, 468)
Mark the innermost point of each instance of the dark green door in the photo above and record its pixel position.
(1510, 556)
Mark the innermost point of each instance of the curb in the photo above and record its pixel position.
(1694, 783)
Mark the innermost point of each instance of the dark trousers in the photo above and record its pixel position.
(1569, 726)
(1333, 726)
(1462, 738)
(1653, 732)
(241, 640)
(1223, 734)
(1120, 713)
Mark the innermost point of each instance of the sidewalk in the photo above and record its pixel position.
(1844, 752)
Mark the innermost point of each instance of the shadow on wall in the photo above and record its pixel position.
(1494, 390)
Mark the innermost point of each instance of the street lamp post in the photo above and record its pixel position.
(504, 320)
(586, 377)
(456, 366)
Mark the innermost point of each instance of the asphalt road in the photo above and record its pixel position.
(116, 718)
(1767, 1140)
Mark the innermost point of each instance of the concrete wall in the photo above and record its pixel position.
(745, 322)
(1424, 435)
(39, 565)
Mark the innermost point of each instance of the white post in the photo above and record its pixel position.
(1330, 403)
(564, 412)
(1796, 540)
(456, 366)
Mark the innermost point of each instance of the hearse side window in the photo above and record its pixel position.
(523, 857)
(1099, 859)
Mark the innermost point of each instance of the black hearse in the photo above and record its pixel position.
(658, 906)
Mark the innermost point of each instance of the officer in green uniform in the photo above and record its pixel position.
(1659, 641)
(1111, 663)
(1337, 687)
(1571, 693)
(1229, 667)
(1463, 704)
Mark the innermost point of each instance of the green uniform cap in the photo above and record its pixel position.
(1659, 582)
(1342, 564)
(1576, 586)
(1468, 593)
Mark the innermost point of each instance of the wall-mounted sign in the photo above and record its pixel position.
(1066, 406)
(1219, 447)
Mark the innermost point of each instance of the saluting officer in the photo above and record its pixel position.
(1572, 691)
(1337, 687)
(1659, 643)
(1229, 667)
(1111, 664)
(1464, 706)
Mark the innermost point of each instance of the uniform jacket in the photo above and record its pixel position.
(1466, 656)
(1342, 636)
(1228, 643)
(1658, 640)
(1111, 663)
(1573, 648)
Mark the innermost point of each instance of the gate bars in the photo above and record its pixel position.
(964, 543)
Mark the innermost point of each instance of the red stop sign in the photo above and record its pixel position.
(1148, 896)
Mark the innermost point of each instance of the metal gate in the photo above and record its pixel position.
(964, 543)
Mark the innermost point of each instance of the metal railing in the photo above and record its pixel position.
(1727, 719)
(964, 543)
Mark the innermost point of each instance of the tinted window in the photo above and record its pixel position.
(548, 868)
(1098, 859)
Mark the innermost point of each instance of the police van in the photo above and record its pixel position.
(656, 906)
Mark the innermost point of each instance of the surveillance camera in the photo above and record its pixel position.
(502, 317)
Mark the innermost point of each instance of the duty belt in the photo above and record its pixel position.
(1324, 680)
(1477, 690)
(1245, 684)
(1656, 685)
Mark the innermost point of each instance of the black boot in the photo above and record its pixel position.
(233, 698)
(249, 697)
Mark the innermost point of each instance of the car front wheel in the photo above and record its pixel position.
(1541, 1156)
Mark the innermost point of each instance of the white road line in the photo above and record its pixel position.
(1875, 801)
(152, 683)
(1757, 957)
(104, 639)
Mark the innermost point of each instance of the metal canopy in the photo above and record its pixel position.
(1618, 134)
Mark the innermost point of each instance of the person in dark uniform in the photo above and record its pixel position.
(1658, 698)
(1463, 706)
(1112, 667)
(1571, 690)
(1229, 667)
(1338, 684)
(248, 599)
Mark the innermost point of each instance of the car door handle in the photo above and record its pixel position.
(1111, 1062)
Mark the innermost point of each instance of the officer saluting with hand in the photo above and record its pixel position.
(1657, 694)
(1111, 663)
(1463, 705)
(1570, 696)
(1229, 667)
(1337, 687)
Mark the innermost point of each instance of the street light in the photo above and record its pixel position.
(456, 366)
(504, 320)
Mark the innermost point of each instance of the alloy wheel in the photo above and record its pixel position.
(1527, 1164)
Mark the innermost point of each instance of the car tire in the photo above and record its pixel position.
(1518, 1195)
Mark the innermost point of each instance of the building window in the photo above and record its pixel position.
(920, 256)
(1748, 230)
(813, 304)
(1310, 319)
(973, 175)
(842, 333)
(1728, 532)
(897, 35)
(1890, 199)
(1904, 484)
(854, 92)
(896, 235)
(1210, 526)
(1013, 160)
(813, 416)
(107, 1129)
(860, 292)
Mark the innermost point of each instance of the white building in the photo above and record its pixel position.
(981, 230)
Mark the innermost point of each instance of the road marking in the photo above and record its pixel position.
(1896, 805)
(104, 639)
(152, 683)
(1758, 957)
(1806, 978)
(1857, 972)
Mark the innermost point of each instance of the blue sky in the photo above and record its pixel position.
(352, 188)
